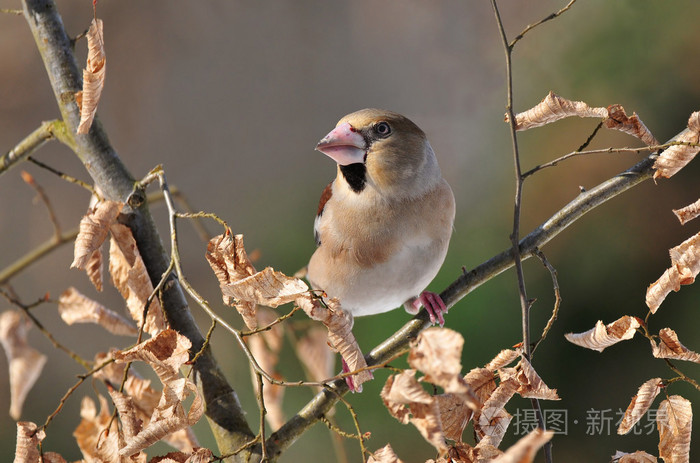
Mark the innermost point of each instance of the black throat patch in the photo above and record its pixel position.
(355, 175)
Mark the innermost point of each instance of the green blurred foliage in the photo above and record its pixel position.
(232, 96)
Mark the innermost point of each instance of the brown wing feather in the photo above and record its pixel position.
(325, 196)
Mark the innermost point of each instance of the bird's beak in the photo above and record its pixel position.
(344, 145)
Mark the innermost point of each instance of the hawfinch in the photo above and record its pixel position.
(384, 223)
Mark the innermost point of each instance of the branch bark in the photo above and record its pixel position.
(224, 412)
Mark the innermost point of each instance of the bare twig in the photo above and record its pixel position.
(66, 177)
(29, 180)
(525, 304)
(36, 254)
(549, 17)
(263, 412)
(557, 298)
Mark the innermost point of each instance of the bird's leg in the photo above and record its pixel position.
(433, 304)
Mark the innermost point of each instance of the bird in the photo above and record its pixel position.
(383, 225)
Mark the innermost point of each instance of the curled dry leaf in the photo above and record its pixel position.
(96, 440)
(145, 399)
(27, 440)
(553, 108)
(437, 352)
(491, 422)
(685, 266)
(230, 262)
(618, 120)
(165, 353)
(637, 457)
(130, 277)
(265, 347)
(384, 455)
(454, 415)
(93, 76)
(602, 336)
(25, 362)
(526, 448)
(688, 213)
(639, 405)
(315, 355)
(671, 348)
(408, 402)
(675, 157)
(93, 230)
(674, 420)
(504, 358)
(482, 381)
(200, 455)
(269, 288)
(77, 308)
(340, 336)
(531, 385)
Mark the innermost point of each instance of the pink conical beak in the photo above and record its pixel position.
(344, 145)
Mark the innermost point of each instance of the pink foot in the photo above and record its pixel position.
(433, 304)
(348, 379)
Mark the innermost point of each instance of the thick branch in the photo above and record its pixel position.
(111, 176)
(462, 286)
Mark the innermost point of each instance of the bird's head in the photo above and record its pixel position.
(382, 149)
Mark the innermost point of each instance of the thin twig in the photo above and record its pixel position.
(263, 412)
(273, 323)
(359, 436)
(29, 180)
(36, 254)
(515, 236)
(207, 341)
(65, 177)
(682, 376)
(541, 21)
(46, 131)
(10, 11)
(557, 298)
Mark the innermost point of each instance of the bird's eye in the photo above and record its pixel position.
(382, 129)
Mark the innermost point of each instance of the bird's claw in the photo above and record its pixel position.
(433, 304)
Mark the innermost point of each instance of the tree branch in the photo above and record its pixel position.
(223, 410)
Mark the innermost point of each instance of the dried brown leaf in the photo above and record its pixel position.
(504, 358)
(25, 363)
(637, 457)
(437, 352)
(685, 266)
(408, 402)
(93, 76)
(671, 348)
(268, 287)
(676, 157)
(93, 230)
(315, 355)
(27, 440)
(165, 353)
(483, 383)
(491, 422)
(384, 455)
(130, 277)
(454, 415)
(531, 385)
(553, 108)
(200, 455)
(265, 347)
(145, 400)
(618, 120)
(602, 336)
(639, 405)
(97, 441)
(230, 262)
(128, 415)
(77, 308)
(674, 420)
(526, 448)
(688, 213)
(340, 336)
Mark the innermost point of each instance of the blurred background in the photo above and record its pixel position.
(231, 97)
